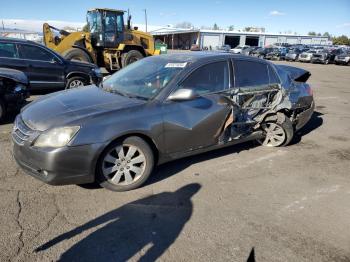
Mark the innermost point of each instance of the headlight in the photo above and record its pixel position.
(97, 71)
(56, 137)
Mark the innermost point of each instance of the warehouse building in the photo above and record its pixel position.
(211, 39)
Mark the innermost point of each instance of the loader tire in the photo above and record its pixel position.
(131, 57)
(77, 54)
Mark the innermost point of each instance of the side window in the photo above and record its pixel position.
(250, 73)
(272, 75)
(209, 78)
(8, 50)
(35, 53)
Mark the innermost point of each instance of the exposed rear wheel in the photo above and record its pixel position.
(277, 132)
(125, 165)
(131, 57)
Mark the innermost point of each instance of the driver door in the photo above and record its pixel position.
(194, 124)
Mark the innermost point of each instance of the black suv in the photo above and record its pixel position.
(45, 69)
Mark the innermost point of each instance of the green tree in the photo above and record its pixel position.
(231, 28)
(327, 34)
(319, 34)
(341, 40)
(312, 33)
(215, 27)
(247, 29)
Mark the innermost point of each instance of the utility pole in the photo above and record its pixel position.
(3, 26)
(145, 18)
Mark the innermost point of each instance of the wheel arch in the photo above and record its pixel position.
(78, 74)
(141, 135)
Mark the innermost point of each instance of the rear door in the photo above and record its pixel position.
(45, 70)
(194, 124)
(253, 79)
(9, 57)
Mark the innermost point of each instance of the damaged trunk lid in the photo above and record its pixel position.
(296, 74)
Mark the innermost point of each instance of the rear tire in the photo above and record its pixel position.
(77, 54)
(2, 110)
(131, 57)
(75, 82)
(125, 164)
(279, 132)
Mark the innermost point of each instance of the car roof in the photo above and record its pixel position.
(16, 40)
(196, 56)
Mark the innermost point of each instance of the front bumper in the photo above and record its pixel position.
(62, 166)
(342, 61)
(318, 60)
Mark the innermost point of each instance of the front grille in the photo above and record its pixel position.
(318, 56)
(21, 132)
(303, 56)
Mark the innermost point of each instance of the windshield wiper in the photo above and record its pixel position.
(137, 96)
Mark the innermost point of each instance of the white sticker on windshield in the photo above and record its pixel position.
(175, 65)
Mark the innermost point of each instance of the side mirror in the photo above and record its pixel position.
(183, 95)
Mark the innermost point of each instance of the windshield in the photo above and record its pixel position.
(94, 21)
(143, 79)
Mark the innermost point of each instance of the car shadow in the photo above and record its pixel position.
(251, 257)
(315, 122)
(165, 171)
(169, 169)
(144, 228)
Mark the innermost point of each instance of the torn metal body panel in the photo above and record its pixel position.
(180, 105)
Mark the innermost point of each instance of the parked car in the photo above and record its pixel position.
(195, 47)
(13, 90)
(223, 48)
(248, 51)
(45, 69)
(343, 58)
(262, 52)
(293, 55)
(306, 56)
(159, 109)
(239, 49)
(325, 56)
(277, 54)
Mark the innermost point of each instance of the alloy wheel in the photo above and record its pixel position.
(124, 165)
(275, 135)
(76, 83)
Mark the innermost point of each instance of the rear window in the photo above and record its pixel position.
(8, 50)
(32, 52)
(250, 73)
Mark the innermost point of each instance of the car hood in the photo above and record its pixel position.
(15, 75)
(65, 107)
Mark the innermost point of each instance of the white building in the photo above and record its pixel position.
(183, 38)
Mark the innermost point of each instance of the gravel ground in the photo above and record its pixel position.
(282, 204)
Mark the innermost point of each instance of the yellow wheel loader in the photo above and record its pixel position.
(108, 43)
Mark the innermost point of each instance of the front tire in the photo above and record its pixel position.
(125, 164)
(278, 132)
(131, 57)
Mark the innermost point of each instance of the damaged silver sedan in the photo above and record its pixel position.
(156, 110)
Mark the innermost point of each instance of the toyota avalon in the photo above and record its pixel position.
(156, 110)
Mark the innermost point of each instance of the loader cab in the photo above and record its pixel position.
(106, 27)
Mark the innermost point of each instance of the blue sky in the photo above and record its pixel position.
(276, 16)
